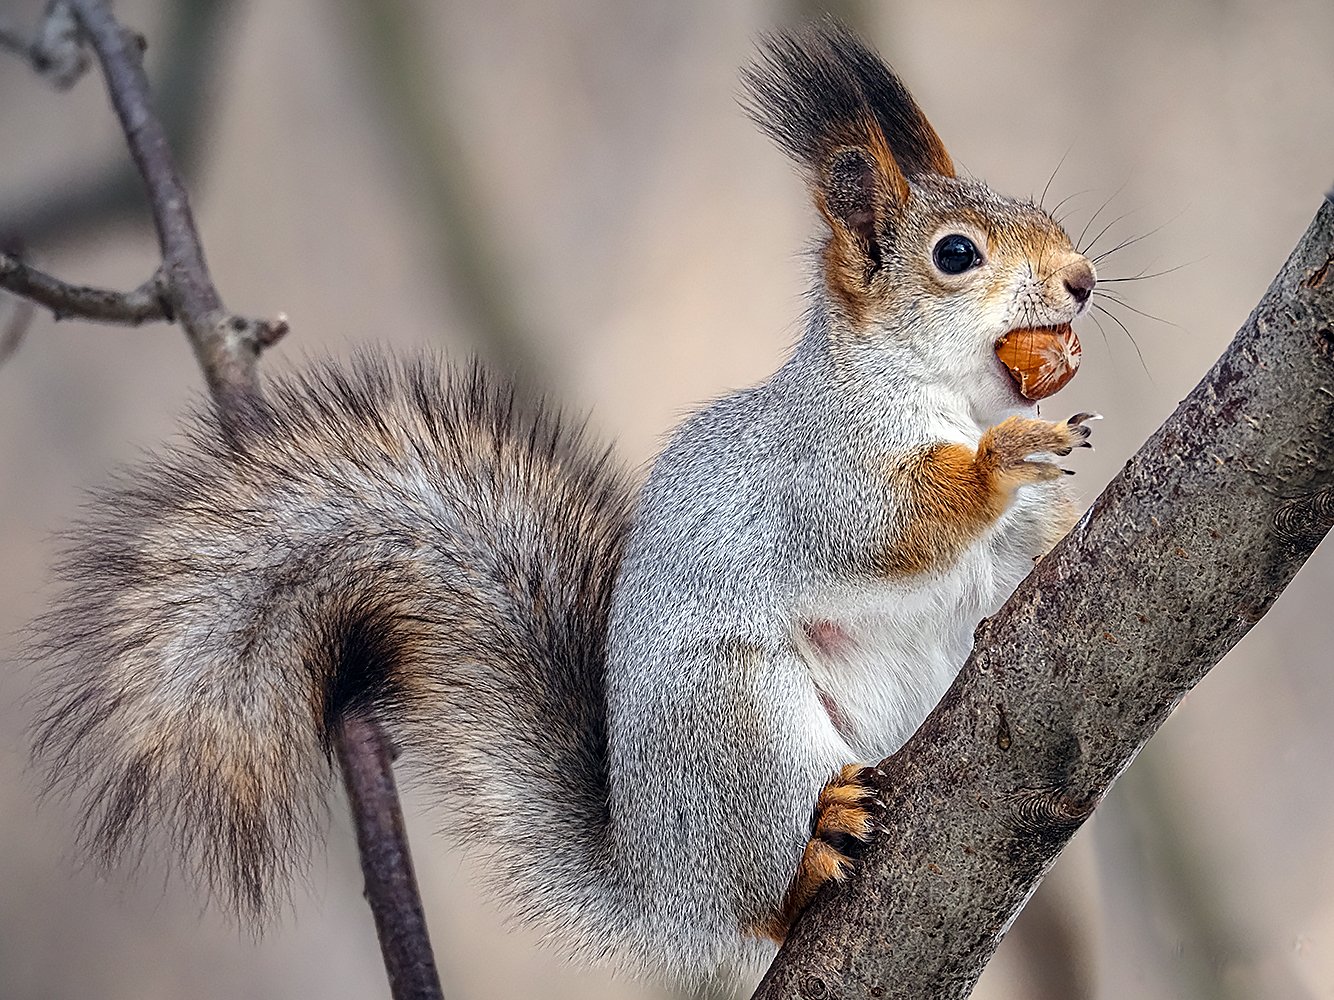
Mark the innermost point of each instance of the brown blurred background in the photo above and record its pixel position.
(569, 188)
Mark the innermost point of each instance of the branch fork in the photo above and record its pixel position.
(228, 347)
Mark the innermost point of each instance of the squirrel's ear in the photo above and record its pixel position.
(916, 146)
(857, 190)
(857, 187)
(839, 111)
(820, 90)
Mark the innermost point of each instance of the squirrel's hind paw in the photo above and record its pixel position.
(844, 822)
(846, 818)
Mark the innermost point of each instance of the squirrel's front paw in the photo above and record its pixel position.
(1006, 449)
(847, 815)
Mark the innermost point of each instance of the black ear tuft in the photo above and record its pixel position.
(916, 147)
(817, 88)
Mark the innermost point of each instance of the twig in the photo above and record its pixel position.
(113, 192)
(228, 347)
(12, 41)
(15, 328)
(391, 886)
(55, 52)
(145, 304)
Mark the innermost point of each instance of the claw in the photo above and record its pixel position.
(1068, 472)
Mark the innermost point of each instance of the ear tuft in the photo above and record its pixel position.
(841, 113)
(820, 87)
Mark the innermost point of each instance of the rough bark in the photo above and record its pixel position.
(1183, 552)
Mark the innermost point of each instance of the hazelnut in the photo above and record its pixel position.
(1041, 359)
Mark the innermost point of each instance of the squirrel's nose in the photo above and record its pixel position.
(1079, 281)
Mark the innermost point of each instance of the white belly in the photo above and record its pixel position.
(883, 652)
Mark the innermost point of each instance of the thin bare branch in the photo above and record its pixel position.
(391, 886)
(228, 348)
(55, 52)
(145, 304)
(226, 345)
(15, 327)
(112, 193)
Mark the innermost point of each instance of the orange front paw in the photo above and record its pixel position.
(1006, 450)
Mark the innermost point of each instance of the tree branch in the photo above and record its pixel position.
(228, 347)
(113, 192)
(55, 51)
(391, 886)
(1184, 551)
(145, 304)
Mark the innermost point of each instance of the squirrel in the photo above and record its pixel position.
(651, 709)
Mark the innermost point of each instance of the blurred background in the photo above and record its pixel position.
(568, 188)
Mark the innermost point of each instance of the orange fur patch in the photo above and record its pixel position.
(952, 494)
(950, 499)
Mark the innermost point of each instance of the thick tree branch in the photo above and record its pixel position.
(228, 348)
(1184, 551)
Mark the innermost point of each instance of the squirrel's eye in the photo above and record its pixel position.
(956, 254)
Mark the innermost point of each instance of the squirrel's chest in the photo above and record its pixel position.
(883, 652)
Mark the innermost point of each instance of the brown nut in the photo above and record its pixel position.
(1041, 359)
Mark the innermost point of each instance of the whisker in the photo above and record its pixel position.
(1057, 207)
(1083, 232)
(1135, 239)
(1120, 246)
(1101, 232)
(1094, 316)
(1043, 197)
(1111, 354)
(1115, 319)
(1042, 256)
(1138, 312)
(1156, 274)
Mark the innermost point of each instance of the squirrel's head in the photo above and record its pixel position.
(919, 262)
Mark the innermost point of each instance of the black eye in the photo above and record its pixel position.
(955, 254)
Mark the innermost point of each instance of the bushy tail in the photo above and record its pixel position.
(390, 538)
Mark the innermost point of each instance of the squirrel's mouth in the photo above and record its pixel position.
(1040, 359)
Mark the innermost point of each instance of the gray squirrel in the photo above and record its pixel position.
(649, 711)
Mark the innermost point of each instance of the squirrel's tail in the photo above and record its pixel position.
(389, 538)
